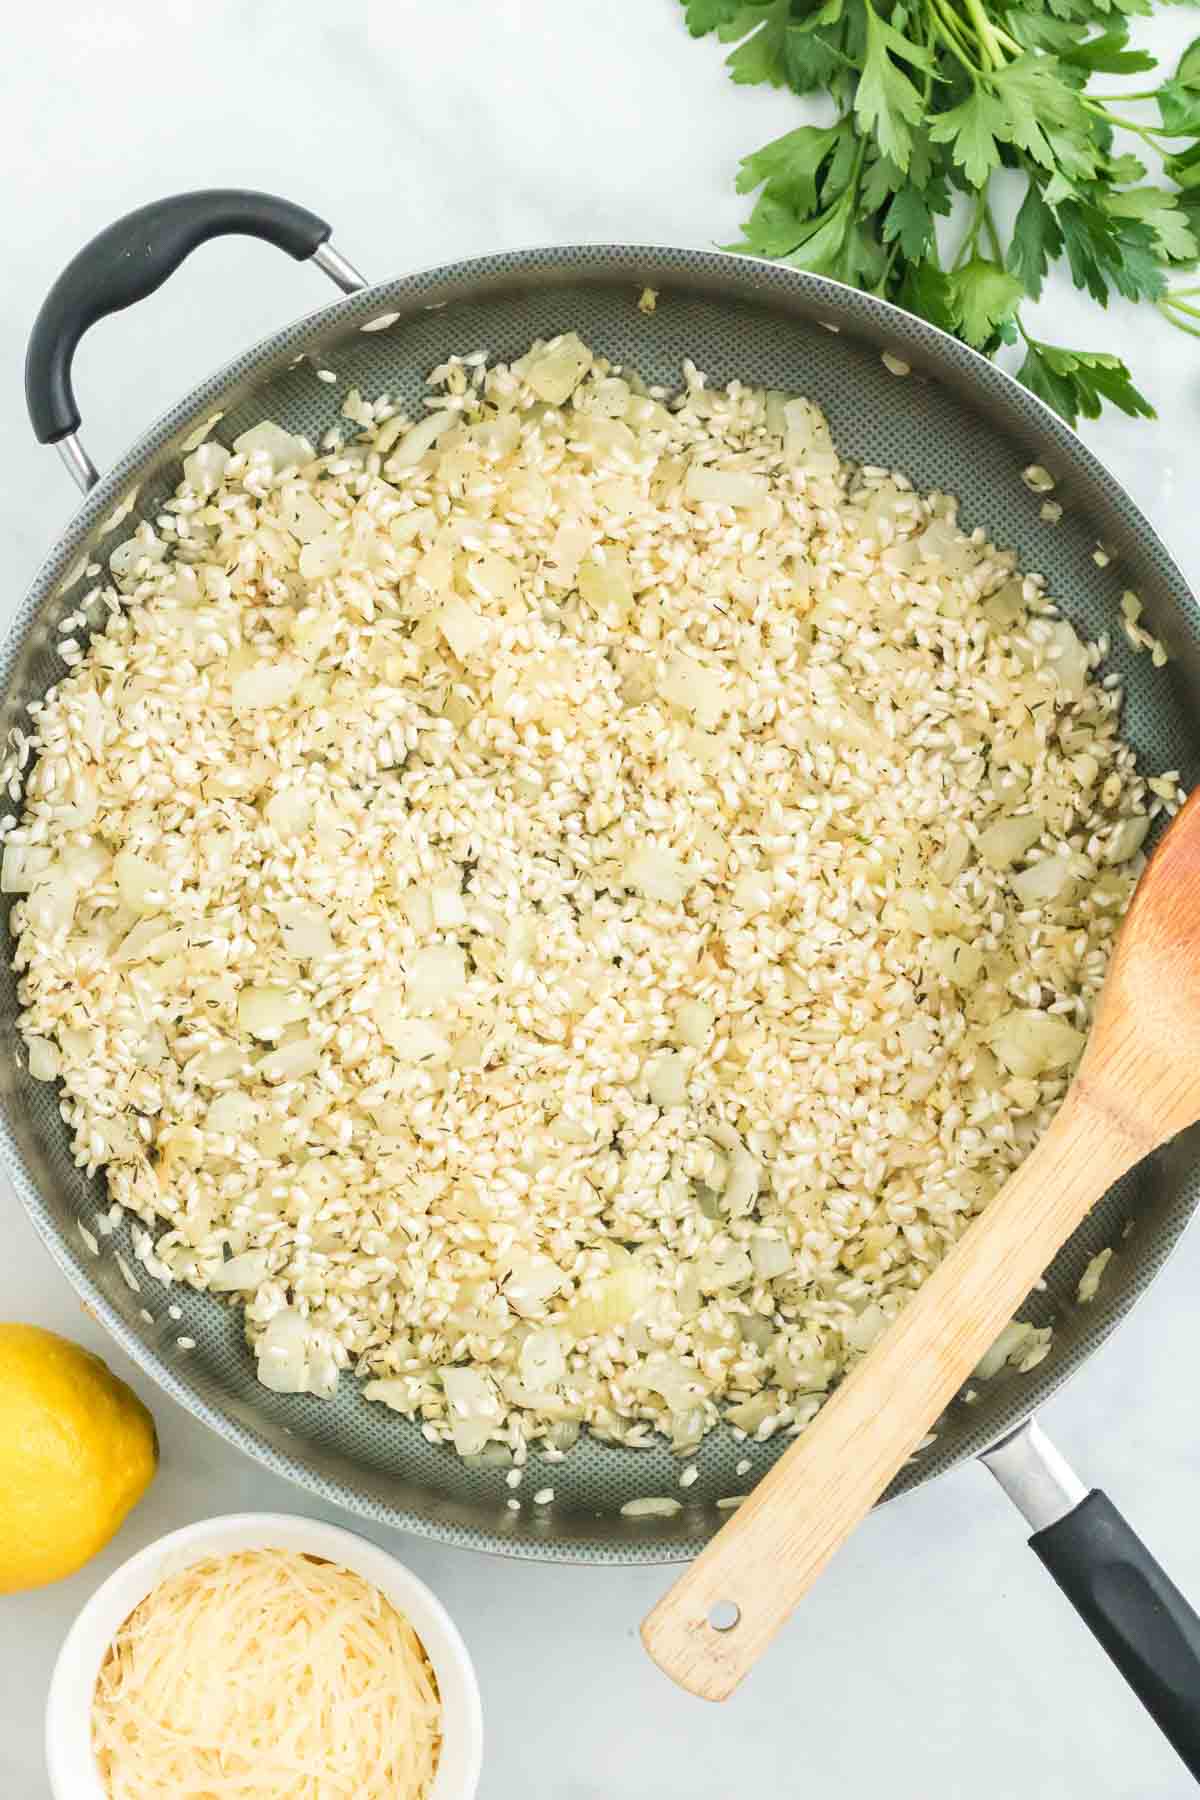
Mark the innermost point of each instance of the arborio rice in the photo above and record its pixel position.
(566, 908)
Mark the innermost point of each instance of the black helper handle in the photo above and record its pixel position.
(131, 259)
(1134, 1610)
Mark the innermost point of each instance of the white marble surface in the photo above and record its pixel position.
(935, 1662)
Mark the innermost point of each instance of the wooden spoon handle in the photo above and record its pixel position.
(772, 1549)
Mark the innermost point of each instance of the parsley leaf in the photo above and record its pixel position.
(1078, 382)
(1179, 108)
(773, 228)
(1107, 54)
(789, 164)
(987, 298)
(887, 103)
(762, 57)
(928, 290)
(703, 16)
(973, 129)
(811, 61)
(1160, 210)
(1103, 251)
(820, 248)
(1036, 241)
(909, 222)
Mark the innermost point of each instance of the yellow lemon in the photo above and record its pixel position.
(77, 1451)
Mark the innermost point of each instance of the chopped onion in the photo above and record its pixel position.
(289, 812)
(1043, 881)
(305, 930)
(473, 1407)
(771, 1256)
(752, 892)
(1007, 1347)
(957, 962)
(231, 1114)
(680, 1384)
(140, 882)
(409, 1040)
(321, 557)
(807, 443)
(570, 542)
(149, 934)
(741, 1184)
(22, 866)
(724, 487)
(50, 907)
(606, 585)
(1033, 1043)
(1126, 840)
(1005, 842)
(304, 517)
(954, 856)
(265, 1011)
(266, 684)
(246, 1272)
(692, 685)
(461, 626)
(292, 1359)
(1067, 658)
(448, 907)
(542, 1360)
(218, 1065)
(658, 874)
(279, 447)
(862, 1332)
(434, 976)
(693, 1023)
(556, 371)
(291, 1061)
(727, 1268)
(44, 1059)
(530, 1281)
(667, 1080)
(204, 469)
(420, 438)
(614, 1301)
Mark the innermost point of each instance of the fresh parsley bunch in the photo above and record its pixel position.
(935, 96)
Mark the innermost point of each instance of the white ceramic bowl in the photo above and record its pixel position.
(69, 1757)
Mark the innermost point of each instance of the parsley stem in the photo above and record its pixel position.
(993, 235)
(971, 238)
(954, 34)
(1169, 310)
(1169, 299)
(1120, 99)
(1147, 132)
(993, 54)
(881, 286)
(1010, 43)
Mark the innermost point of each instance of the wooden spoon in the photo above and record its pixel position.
(1137, 1086)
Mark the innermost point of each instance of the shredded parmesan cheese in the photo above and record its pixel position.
(267, 1674)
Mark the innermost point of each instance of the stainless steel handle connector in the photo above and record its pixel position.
(331, 262)
(82, 469)
(1039, 1482)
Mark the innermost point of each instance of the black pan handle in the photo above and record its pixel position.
(1134, 1610)
(131, 259)
(1131, 1606)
